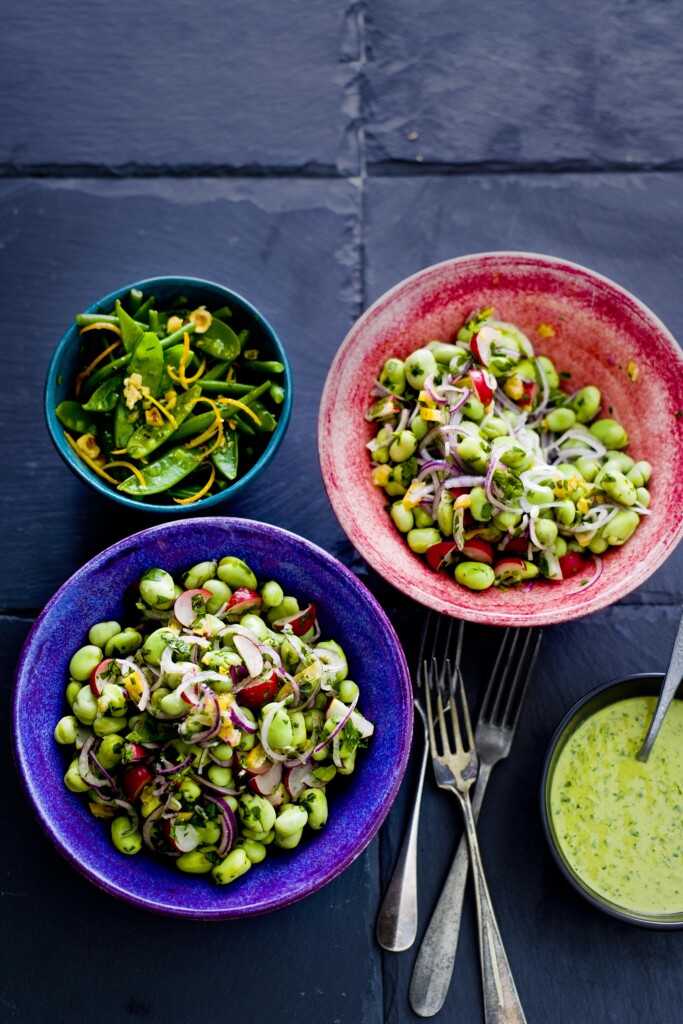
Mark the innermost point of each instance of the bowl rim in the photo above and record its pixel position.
(55, 430)
(558, 612)
(33, 792)
(563, 731)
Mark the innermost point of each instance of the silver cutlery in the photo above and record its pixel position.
(498, 718)
(670, 685)
(397, 919)
(456, 766)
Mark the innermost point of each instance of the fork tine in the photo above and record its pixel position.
(500, 666)
(465, 711)
(440, 709)
(426, 626)
(532, 643)
(500, 684)
(428, 703)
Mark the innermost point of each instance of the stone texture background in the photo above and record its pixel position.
(311, 154)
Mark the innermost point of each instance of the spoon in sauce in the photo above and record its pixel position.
(671, 683)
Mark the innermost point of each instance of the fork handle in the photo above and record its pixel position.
(397, 918)
(501, 1002)
(434, 965)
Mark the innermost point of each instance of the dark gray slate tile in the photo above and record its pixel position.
(103, 960)
(265, 85)
(290, 247)
(571, 962)
(626, 226)
(524, 83)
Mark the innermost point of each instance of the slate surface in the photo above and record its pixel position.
(283, 93)
(535, 83)
(184, 86)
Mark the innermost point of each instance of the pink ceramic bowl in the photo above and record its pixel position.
(599, 328)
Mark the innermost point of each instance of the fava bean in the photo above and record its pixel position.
(610, 433)
(110, 751)
(403, 517)
(480, 507)
(256, 852)
(236, 573)
(195, 863)
(617, 486)
(639, 473)
(419, 540)
(475, 575)
(101, 632)
(403, 447)
(559, 420)
(84, 661)
(123, 644)
(393, 376)
(157, 588)
(315, 803)
(198, 575)
(66, 729)
(272, 594)
(85, 706)
(418, 366)
(586, 403)
(73, 780)
(290, 820)
(621, 527)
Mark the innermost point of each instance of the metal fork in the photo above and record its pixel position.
(456, 766)
(498, 718)
(397, 919)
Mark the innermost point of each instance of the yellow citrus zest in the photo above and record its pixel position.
(200, 371)
(103, 355)
(240, 405)
(101, 326)
(200, 494)
(89, 462)
(127, 465)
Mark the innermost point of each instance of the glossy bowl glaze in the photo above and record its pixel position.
(601, 697)
(348, 613)
(598, 329)
(65, 363)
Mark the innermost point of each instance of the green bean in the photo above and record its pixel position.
(72, 416)
(264, 366)
(148, 438)
(223, 313)
(135, 298)
(218, 371)
(144, 309)
(277, 393)
(86, 319)
(167, 471)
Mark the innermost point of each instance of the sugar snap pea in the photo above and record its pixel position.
(104, 398)
(147, 438)
(225, 458)
(220, 342)
(130, 331)
(166, 472)
(73, 416)
(140, 405)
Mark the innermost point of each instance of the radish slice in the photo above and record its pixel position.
(295, 780)
(300, 622)
(183, 836)
(267, 783)
(249, 653)
(97, 676)
(277, 798)
(338, 710)
(243, 600)
(478, 550)
(190, 604)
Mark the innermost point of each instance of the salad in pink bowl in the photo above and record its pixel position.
(448, 453)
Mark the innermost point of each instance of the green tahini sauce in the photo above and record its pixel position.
(619, 822)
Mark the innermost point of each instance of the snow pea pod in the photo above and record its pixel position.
(123, 428)
(131, 333)
(117, 364)
(220, 342)
(148, 438)
(85, 319)
(268, 422)
(148, 360)
(104, 398)
(72, 416)
(225, 457)
(166, 472)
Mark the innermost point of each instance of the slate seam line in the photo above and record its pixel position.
(312, 170)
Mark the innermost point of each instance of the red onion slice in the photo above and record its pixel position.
(295, 780)
(272, 754)
(240, 719)
(227, 823)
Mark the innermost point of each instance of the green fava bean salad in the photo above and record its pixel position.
(169, 402)
(492, 469)
(211, 727)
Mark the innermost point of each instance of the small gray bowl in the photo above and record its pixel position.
(645, 685)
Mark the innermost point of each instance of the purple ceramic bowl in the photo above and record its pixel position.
(590, 327)
(348, 613)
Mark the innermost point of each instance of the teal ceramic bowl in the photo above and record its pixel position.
(65, 362)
